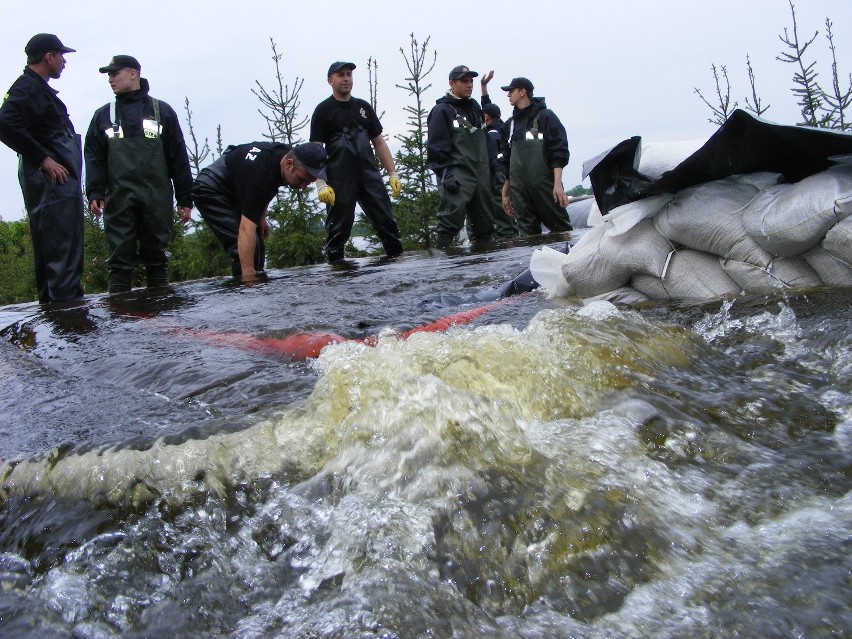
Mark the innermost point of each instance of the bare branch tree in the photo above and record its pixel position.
(220, 146)
(840, 99)
(416, 207)
(197, 154)
(754, 104)
(807, 89)
(373, 79)
(295, 218)
(281, 105)
(724, 108)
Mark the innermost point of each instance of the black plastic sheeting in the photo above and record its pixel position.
(743, 144)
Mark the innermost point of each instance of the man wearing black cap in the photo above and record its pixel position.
(234, 192)
(505, 225)
(135, 152)
(347, 126)
(35, 124)
(457, 153)
(535, 151)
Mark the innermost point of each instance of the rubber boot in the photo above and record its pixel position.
(157, 276)
(119, 281)
(443, 241)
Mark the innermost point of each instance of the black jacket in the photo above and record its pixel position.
(131, 108)
(440, 123)
(31, 116)
(555, 138)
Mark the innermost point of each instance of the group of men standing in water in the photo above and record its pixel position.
(496, 179)
(476, 156)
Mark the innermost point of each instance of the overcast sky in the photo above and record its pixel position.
(610, 69)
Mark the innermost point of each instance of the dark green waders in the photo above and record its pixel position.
(139, 207)
(531, 186)
(504, 225)
(55, 213)
(354, 177)
(470, 166)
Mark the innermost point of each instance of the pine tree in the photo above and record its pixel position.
(296, 219)
(415, 211)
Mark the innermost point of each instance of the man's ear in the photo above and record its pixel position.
(286, 166)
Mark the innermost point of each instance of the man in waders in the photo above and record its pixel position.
(35, 124)
(348, 126)
(505, 225)
(535, 151)
(134, 153)
(234, 192)
(457, 153)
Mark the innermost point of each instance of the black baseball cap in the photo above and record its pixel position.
(45, 43)
(313, 158)
(491, 110)
(460, 71)
(337, 66)
(519, 83)
(121, 62)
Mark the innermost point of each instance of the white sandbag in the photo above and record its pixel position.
(689, 275)
(708, 217)
(794, 272)
(650, 286)
(761, 180)
(625, 217)
(782, 272)
(595, 217)
(599, 263)
(838, 240)
(546, 268)
(831, 270)
(623, 295)
(791, 219)
(656, 158)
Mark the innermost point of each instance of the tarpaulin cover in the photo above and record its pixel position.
(743, 144)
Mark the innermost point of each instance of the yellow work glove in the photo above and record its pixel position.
(325, 193)
(395, 185)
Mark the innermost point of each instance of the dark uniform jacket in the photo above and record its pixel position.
(555, 138)
(131, 108)
(440, 123)
(244, 179)
(31, 116)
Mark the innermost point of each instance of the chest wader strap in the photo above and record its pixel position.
(463, 122)
(533, 129)
(114, 120)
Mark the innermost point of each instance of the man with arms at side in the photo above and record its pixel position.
(352, 135)
(233, 195)
(135, 152)
(457, 153)
(35, 124)
(535, 151)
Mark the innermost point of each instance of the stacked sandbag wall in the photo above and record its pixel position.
(745, 233)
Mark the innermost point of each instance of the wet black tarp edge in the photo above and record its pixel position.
(743, 144)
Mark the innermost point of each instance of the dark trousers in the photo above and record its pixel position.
(366, 189)
(224, 221)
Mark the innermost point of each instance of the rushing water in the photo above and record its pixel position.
(548, 470)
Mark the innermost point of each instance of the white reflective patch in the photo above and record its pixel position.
(151, 128)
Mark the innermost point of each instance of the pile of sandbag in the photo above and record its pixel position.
(746, 233)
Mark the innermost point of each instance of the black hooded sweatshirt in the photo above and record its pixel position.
(131, 108)
(439, 145)
(555, 137)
